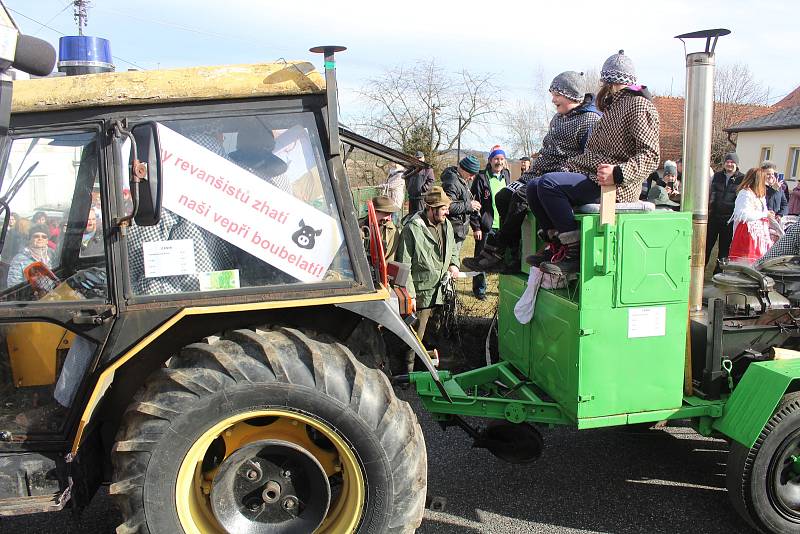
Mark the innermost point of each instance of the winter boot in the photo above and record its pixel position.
(551, 246)
(568, 258)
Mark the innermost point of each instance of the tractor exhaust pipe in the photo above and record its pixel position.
(697, 127)
(332, 93)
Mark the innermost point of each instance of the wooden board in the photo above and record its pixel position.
(608, 204)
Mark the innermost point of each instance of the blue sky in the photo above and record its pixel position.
(512, 40)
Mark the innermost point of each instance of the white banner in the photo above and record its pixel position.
(247, 211)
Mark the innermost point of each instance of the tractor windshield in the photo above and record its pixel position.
(246, 203)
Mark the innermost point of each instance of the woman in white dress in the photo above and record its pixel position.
(751, 219)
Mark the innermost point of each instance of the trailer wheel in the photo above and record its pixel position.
(268, 431)
(764, 481)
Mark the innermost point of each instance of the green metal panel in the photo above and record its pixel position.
(755, 398)
(623, 374)
(553, 351)
(653, 265)
(529, 243)
(513, 337)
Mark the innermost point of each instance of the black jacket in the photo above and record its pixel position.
(722, 196)
(776, 201)
(460, 209)
(482, 192)
(419, 183)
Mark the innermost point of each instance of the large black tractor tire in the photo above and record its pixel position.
(764, 481)
(268, 399)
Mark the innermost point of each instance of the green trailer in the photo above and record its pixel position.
(610, 349)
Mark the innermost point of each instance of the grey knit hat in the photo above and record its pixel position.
(733, 156)
(569, 84)
(671, 168)
(618, 69)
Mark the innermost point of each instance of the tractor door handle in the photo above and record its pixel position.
(91, 317)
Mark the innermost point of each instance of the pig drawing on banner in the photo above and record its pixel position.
(304, 237)
(247, 211)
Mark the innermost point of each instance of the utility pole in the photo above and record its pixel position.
(81, 13)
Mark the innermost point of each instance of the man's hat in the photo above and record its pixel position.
(659, 196)
(436, 198)
(470, 164)
(384, 204)
(419, 154)
(733, 156)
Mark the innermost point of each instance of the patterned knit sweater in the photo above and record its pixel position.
(626, 136)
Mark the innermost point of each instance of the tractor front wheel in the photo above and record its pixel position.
(764, 481)
(269, 431)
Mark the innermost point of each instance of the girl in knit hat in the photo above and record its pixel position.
(622, 150)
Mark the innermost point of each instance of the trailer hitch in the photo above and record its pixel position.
(515, 443)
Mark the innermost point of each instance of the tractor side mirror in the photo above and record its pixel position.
(145, 165)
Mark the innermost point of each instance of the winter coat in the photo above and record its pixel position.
(776, 201)
(419, 249)
(16, 271)
(482, 192)
(794, 201)
(389, 236)
(417, 184)
(722, 195)
(566, 137)
(625, 136)
(456, 188)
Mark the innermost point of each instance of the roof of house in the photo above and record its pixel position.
(790, 100)
(670, 112)
(783, 119)
(170, 85)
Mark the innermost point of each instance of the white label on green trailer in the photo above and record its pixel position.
(647, 322)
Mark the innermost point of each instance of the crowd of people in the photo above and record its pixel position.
(606, 139)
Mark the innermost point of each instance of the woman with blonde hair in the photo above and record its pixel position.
(751, 219)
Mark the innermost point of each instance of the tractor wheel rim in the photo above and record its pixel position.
(784, 479)
(270, 486)
(310, 436)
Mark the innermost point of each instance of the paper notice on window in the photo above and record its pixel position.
(168, 258)
(647, 322)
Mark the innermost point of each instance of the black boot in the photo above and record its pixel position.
(546, 254)
(568, 258)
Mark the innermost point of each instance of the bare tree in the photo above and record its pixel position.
(527, 125)
(738, 97)
(425, 108)
(528, 120)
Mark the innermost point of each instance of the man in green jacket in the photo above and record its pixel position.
(428, 247)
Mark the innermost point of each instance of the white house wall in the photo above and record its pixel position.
(749, 144)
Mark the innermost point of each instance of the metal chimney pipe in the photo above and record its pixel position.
(697, 128)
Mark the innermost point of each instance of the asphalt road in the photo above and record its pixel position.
(610, 481)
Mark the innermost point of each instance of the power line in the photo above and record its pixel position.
(62, 33)
(69, 4)
(185, 28)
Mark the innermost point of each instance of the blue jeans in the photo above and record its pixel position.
(552, 196)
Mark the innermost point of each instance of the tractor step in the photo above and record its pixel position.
(34, 504)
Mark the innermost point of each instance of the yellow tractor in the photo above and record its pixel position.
(191, 320)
